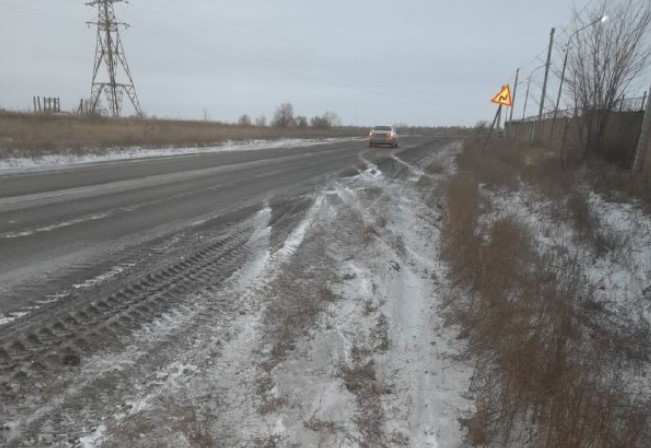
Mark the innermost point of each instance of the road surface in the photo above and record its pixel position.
(113, 259)
(57, 222)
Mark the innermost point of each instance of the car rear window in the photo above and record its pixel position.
(382, 128)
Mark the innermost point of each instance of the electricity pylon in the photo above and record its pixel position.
(109, 52)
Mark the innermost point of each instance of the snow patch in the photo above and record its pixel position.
(60, 225)
(114, 271)
(18, 164)
(95, 439)
(429, 385)
(8, 318)
(296, 237)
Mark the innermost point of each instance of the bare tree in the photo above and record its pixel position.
(284, 116)
(604, 60)
(301, 122)
(332, 118)
(244, 120)
(261, 121)
(327, 120)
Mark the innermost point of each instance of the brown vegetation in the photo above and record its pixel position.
(39, 134)
(552, 365)
(361, 380)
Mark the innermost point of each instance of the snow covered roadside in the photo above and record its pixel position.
(402, 280)
(378, 368)
(21, 164)
(620, 277)
(341, 344)
(624, 276)
(330, 338)
(614, 261)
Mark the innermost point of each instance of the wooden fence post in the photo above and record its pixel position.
(643, 140)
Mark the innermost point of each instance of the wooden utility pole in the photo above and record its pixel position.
(544, 87)
(515, 92)
(643, 103)
(560, 89)
(547, 65)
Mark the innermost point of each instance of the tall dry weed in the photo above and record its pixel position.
(552, 368)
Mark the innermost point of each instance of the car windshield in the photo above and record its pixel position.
(382, 128)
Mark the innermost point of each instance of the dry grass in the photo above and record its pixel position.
(380, 335)
(41, 134)
(460, 224)
(293, 309)
(360, 379)
(585, 222)
(174, 419)
(496, 165)
(550, 360)
(618, 184)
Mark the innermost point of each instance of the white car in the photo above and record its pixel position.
(383, 135)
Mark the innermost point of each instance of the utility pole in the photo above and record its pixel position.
(560, 88)
(643, 141)
(515, 91)
(526, 99)
(643, 101)
(547, 65)
(109, 52)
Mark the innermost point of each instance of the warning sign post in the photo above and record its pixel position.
(502, 99)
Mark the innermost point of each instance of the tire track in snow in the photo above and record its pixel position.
(236, 353)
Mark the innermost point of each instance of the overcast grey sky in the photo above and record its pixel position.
(416, 61)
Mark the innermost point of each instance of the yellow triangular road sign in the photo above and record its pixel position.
(503, 97)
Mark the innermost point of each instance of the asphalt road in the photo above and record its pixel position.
(54, 222)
